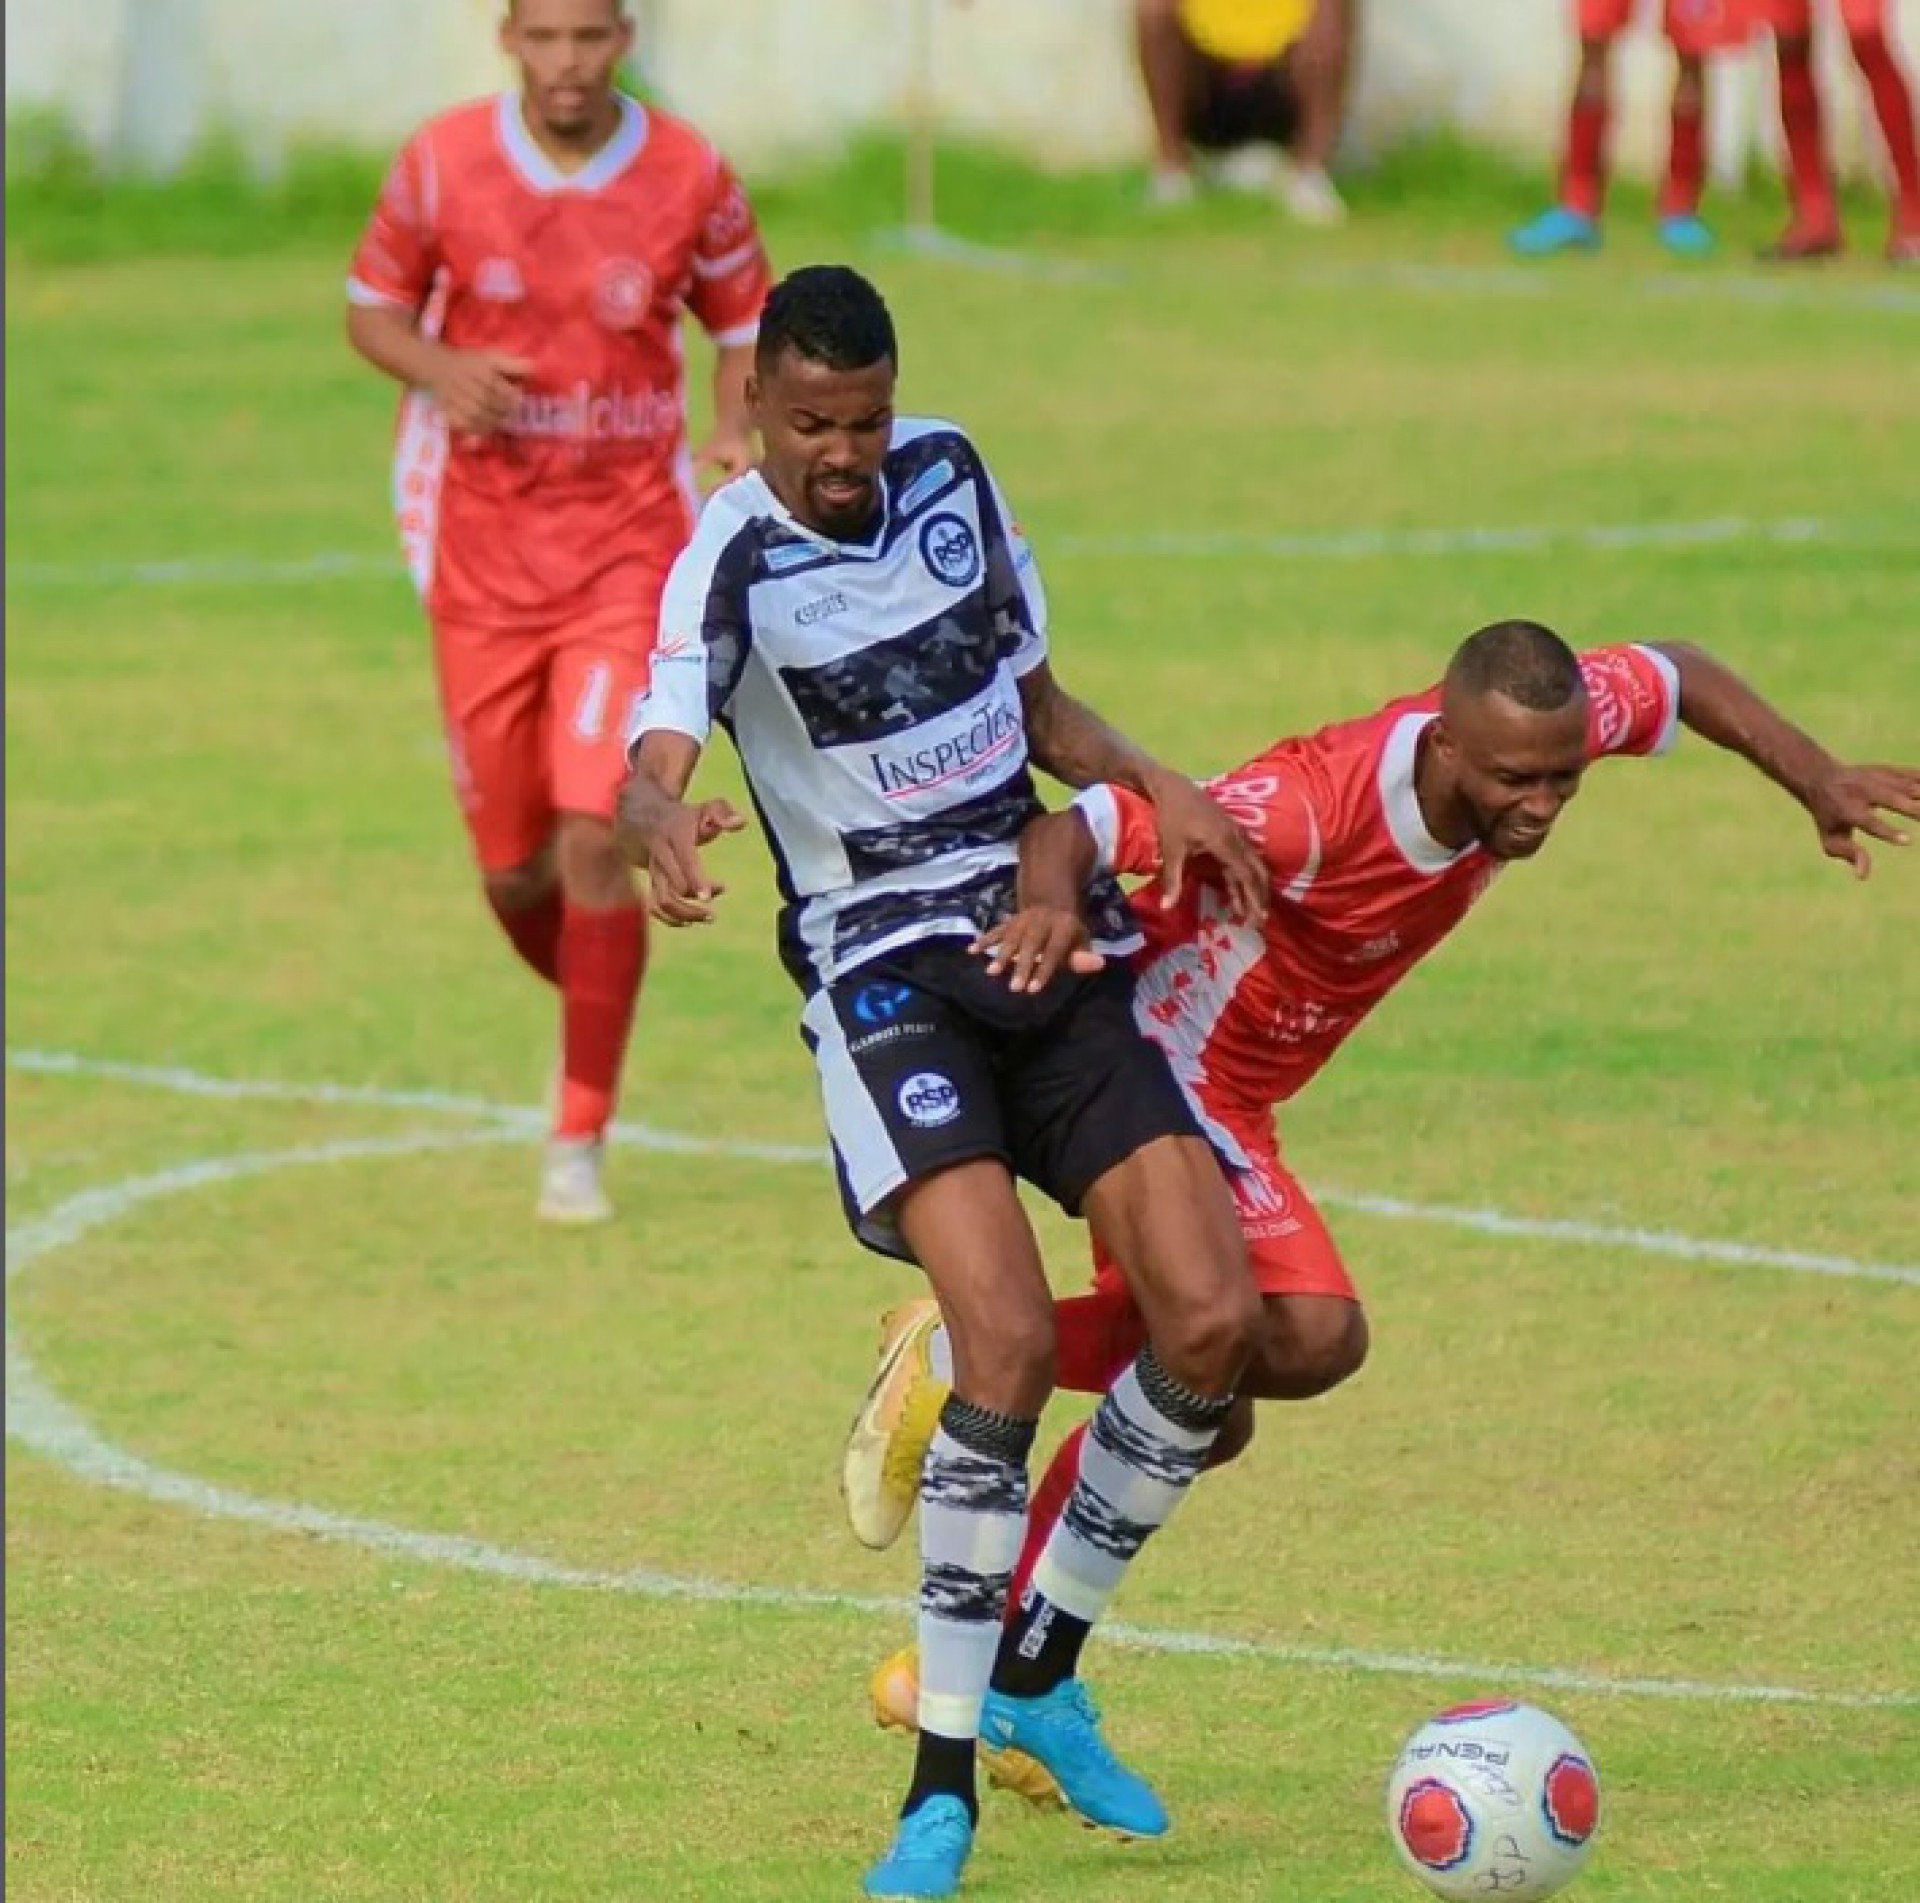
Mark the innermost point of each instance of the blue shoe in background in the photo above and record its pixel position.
(1686, 235)
(1556, 231)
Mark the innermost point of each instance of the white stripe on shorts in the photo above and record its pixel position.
(874, 1167)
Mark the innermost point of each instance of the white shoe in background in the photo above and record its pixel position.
(1166, 189)
(571, 1192)
(1310, 196)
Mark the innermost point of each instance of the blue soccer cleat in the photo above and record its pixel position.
(1686, 235)
(1556, 231)
(1061, 1731)
(928, 1852)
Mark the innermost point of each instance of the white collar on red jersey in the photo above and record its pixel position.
(542, 175)
(1401, 803)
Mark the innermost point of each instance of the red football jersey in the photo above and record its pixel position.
(587, 494)
(1361, 891)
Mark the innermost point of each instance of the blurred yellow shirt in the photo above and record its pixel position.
(1244, 32)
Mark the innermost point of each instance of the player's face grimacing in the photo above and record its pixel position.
(568, 52)
(1511, 770)
(824, 434)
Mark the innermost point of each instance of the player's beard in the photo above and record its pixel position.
(844, 515)
(585, 118)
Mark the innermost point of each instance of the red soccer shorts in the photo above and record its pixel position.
(1793, 19)
(537, 720)
(1288, 1242)
(1696, 27)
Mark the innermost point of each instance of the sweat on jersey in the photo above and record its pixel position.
(872, 691)
(1361, 891)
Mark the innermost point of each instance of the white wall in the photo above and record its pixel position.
(772, 79)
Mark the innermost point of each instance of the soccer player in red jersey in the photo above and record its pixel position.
(1696, 28)
(1379, 835)
(525, 276)
(1813, 229)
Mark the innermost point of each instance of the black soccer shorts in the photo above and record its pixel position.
(926, 1062)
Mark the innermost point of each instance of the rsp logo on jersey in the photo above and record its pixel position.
(881, 1003)
(950, 550)
(927, 1099)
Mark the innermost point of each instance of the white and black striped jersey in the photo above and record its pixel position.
(872, 691)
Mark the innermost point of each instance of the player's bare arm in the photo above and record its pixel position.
(728, 450)
(662, 832)
(1067, 739)
(1843, 800)
(1046, 933)
(476, 389)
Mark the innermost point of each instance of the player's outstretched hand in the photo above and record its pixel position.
(1034, 945)
(679, 891)
(1195, 826)
(478, 389)
(1851, 799)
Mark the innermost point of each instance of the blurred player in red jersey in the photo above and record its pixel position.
(525, 276)
(1696, 28)
(1379, 835)
(1813, 229)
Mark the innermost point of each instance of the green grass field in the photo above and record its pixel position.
(366, 1543)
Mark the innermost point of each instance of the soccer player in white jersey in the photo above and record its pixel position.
(863, 617)
(1378, 835)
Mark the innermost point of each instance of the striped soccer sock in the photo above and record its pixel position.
(973, 1509)
(1145, 1446)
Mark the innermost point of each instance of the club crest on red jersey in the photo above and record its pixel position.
(623, 293)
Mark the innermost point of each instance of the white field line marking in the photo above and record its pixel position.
(1530, 281)
(41, 1420)
(246, 571)
(1525, 282)
(531, 1121)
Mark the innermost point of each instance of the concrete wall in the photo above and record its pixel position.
(777, 79)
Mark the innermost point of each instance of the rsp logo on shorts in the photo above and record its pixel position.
(950, 549)
(927, 1099)
(881, 1003)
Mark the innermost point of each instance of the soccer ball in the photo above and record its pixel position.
(1494, 1799)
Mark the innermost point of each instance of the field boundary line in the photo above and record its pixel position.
(338, 565)
(41, 1420)
(531, 1121)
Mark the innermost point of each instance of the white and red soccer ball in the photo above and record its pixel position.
(1493, 1800)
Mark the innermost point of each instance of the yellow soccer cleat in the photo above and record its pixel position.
(887, 1445)
(894, 1692)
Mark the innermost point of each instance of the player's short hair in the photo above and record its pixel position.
(1524, 660)
(830, 315)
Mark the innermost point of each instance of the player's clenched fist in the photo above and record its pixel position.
(478, 389)
(665, 836)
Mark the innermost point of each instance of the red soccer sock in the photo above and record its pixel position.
(1814, 208)
(602, 957)
(1095, 1336)
(1686, 160)
(1893, 107)
(534, 932)
(1044, 1508)
(1583, 175)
